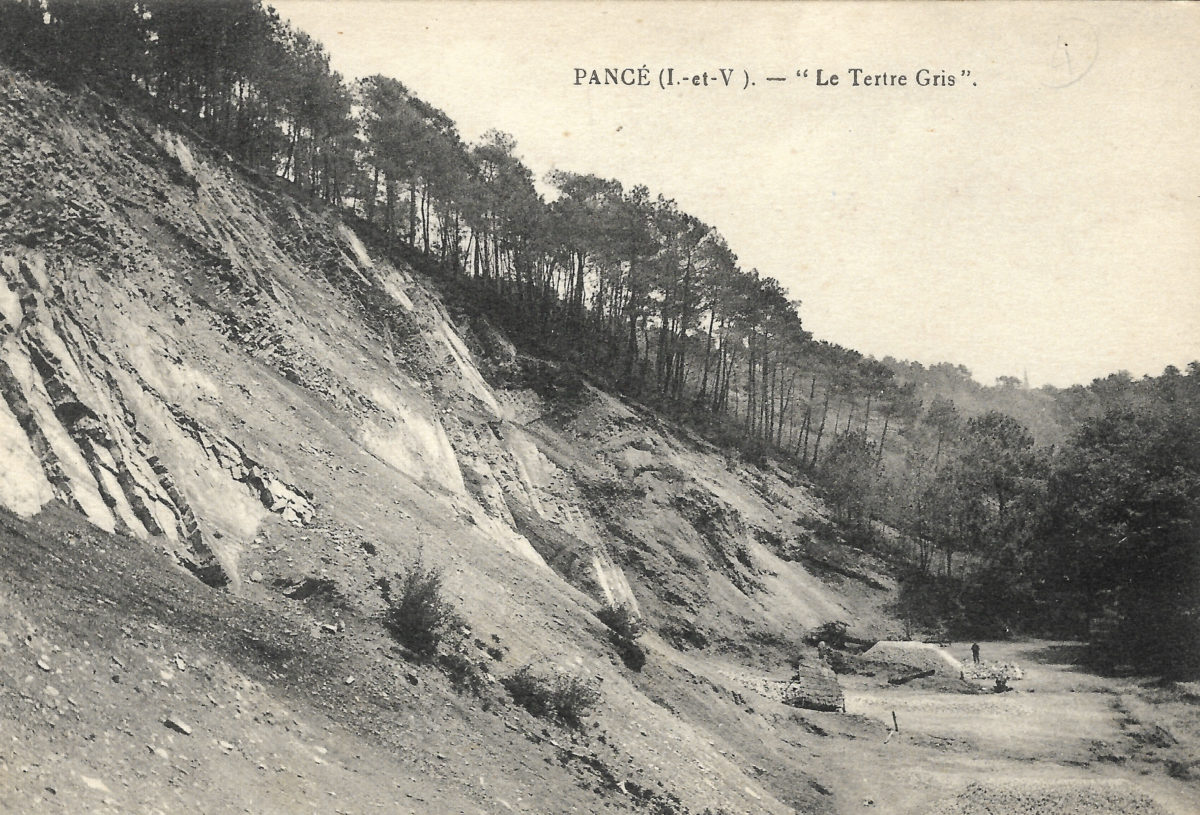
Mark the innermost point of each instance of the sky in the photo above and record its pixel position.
(1041, 216)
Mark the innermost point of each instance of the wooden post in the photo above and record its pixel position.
(894, 722)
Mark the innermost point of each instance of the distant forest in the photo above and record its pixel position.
(1067, 511)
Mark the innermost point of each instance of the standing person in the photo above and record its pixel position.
(975, 652)
(822, 651)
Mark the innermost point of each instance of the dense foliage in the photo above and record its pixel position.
(1095, 535)
(1098, 537)
(1121, 530)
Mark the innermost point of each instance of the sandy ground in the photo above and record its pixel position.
(1060, 728)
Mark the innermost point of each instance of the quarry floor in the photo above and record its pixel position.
(1061, 727)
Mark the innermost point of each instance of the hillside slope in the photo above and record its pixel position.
(202, 365)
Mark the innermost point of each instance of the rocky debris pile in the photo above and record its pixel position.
(989, 670)
(814, 690)
(921, 656)
(812, 687)
(999, 672)
(1038, 797)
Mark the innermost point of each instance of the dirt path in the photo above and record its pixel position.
(1064, 739)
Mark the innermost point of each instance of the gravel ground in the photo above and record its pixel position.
(1038, 797)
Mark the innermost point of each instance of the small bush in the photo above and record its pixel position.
(622, 621)
(1179, 769)
(530, 691)
(832, 633)
(466, 676)
(565, 697)
(684, 634)
(632, 654)
(624, 627)
(574, 698)
(418, 615)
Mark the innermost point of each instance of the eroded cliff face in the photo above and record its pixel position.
(176, 344)
(198, 360)
(160, 322)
